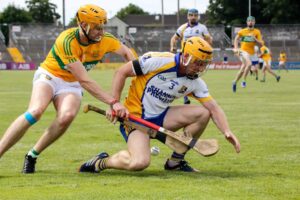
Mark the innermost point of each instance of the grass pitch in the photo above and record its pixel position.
(264, 116)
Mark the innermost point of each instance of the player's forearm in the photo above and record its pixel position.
(94, 89)
(220, 120)
(128, 56)
(118, 85)
(173, 44)
(236, 42)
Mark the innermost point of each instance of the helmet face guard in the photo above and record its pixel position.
(196, 51)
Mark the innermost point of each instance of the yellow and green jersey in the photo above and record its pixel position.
(265, 53)
(282, 57)
(68, 49)
(247, 40)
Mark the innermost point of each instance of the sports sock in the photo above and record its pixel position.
(175, 158)
(101, 164)
(33, 153)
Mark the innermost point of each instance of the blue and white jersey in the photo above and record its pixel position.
(158, 83)
(186, 31)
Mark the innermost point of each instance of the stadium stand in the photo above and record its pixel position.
(5, 56)
(16, 55)
(35, 40)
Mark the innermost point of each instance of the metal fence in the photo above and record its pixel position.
(35, 40)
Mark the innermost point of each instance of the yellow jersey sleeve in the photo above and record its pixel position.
(110, 44)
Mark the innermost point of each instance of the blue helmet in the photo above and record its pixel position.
(193, 11)
(250, 18)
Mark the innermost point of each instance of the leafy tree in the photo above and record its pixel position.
(282, 11)
(229, 12)
(73, 22)
(42, 11)
(131, 9)
(12, 14)
(182, 11)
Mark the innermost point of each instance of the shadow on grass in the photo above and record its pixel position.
(162, 174)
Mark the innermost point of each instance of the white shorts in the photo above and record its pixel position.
(254, 58)
(59, 86)
(268, 62)
(281, 62)
(243, 55)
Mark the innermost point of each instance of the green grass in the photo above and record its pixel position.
(264, 116)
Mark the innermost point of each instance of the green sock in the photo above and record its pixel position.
(33, 153)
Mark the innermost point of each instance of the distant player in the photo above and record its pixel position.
(187, 30)
(255, 62)
(265, 54)
(248, 38)
(225, 61)
(282, 61)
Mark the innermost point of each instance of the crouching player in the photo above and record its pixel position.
(159, 78)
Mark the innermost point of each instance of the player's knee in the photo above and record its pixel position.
(66, 118)
(140, 164)
(205, 116)
(30, 118)
(33, 115)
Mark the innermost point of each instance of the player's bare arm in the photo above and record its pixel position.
(173, 42)
(236, 43)
(78, 70)
(208, 38)
(219, 118)
(119, 79)
(125, 52)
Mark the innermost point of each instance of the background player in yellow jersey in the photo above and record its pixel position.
(265, 54)
(60, 80)
(159, 79)
(282, 61)
(248, 38)
(190, 29)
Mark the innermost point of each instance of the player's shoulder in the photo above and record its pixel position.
(71, 32)
(108, 35)
(256, 30)
(243, 31)
(158, 55)
(199, 25)
(67, 37)
(157, 58)
(183, 26)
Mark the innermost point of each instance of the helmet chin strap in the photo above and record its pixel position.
(90, 41)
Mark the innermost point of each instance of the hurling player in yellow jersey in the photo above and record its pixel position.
(282, 61)
(159, 79)
(266, 55)
(60, 79)
(248, 38)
